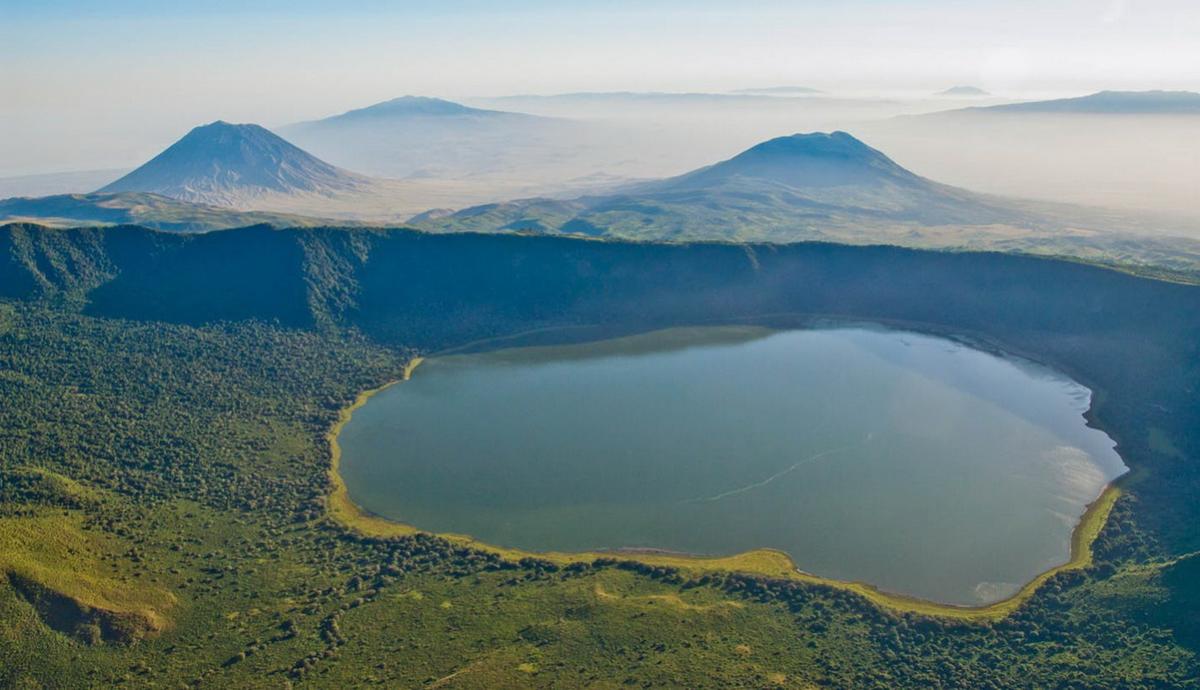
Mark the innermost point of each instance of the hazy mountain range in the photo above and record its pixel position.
(414, 136)
(217, 176)
(249, 168)
(829, 187)
(1109, 103)
(795, 187)
(963, 91)
(451, 155)
(45, 184)
(782, 91)
(787, 101)
(1119, 149)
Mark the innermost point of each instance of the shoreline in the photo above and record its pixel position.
(337, 503)
(764, 561)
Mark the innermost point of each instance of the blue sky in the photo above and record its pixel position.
(85, 68)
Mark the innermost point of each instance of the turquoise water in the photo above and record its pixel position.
(911, 462)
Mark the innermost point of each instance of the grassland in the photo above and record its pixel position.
(55, 562)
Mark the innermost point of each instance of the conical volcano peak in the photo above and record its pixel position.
(226, 164)
(217, 125)
(817, 159)
(223, 128)
(226, 138)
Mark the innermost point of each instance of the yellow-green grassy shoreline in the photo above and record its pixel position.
(767, 562)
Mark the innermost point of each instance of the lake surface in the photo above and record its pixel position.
(914, 463)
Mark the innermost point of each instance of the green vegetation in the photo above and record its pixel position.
(165, 468)
(55, 565)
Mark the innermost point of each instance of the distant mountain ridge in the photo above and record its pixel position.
(963, 90)
(416, 136)
(642, 97)
(1108, 103)
(782, 91)
(406, 107)
(794, 187)
(230, 164)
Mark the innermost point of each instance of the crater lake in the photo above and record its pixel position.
(914, 463)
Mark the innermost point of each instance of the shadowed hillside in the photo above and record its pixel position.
(433, 290)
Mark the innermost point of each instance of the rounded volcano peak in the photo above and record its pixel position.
(826, 145)
(817, 159)
(411, 105)
(404, 108)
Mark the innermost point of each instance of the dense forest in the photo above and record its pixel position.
(164, 468)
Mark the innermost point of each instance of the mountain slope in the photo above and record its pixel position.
(230, 165)
(836, 188)
(796, 187)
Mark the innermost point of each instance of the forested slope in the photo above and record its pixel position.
(166, 400)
